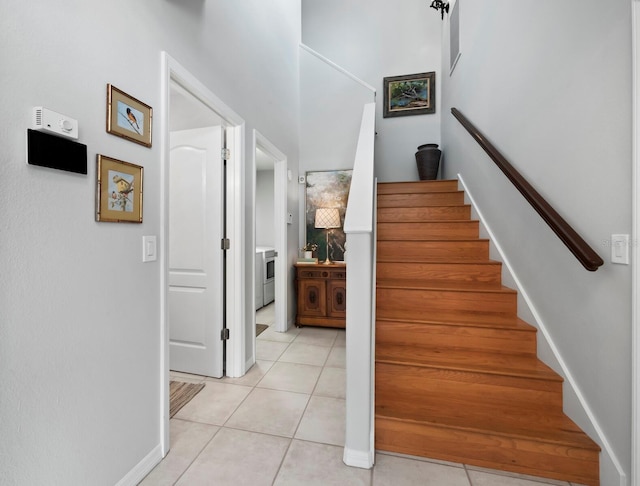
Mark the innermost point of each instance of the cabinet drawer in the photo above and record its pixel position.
(313, 273)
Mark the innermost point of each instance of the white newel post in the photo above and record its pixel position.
(360, 259)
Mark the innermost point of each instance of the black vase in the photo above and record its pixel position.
(428, 161)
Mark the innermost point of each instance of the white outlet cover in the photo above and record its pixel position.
(620, 249)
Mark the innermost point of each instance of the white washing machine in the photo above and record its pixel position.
(268, 268)
(259, 279)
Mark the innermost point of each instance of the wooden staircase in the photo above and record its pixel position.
(457, 376)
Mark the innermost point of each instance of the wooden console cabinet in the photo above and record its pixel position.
(322, 295)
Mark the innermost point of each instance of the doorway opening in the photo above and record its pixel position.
(271, 271)
(190, 108)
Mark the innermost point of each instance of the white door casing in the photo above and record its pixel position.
(635, 250)
(195, 255)
(173, 71)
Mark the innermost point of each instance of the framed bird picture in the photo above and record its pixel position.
(128, 117)
(118, 191)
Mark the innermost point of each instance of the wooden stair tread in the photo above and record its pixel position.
(485, 321)
(484, 271)
(416, 283)
(464, 360)
(428, 209)
(422, 238)
(433, 259)
(446, 240)
(424, 213)
(445, 185)
(440, 262)
(556, 429)
(476, 261)
(436, 240)
(412, 230)
(438, 222)
(440, 198)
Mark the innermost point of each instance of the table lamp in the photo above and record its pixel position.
(327, 218)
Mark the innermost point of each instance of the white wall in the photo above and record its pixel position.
(549, 83)
(375, 39)
(79, 312)
(264, 208)
(330, 113)
(331, 105)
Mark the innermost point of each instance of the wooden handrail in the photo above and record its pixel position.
(580, 249)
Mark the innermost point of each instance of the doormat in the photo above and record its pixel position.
(181, 393)
(260, 328)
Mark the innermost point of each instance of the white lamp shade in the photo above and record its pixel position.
(327, 218)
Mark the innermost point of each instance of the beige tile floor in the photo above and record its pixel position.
(283, 424)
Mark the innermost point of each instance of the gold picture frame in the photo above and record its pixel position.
(128, 117)
(118, 191)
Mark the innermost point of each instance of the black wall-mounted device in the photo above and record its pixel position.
(55, 152)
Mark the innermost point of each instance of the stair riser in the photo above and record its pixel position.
(432, 389)
(424, 251)
(440, 272)
(415, 200)
(487, 450)
(428, 230)
(417, 187)
(405, 304)
(457, 337)
(435, 213)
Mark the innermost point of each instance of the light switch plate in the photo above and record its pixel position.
(620, 249)
(149, 249)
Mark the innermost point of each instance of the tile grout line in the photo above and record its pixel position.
(310, 395)
(305, 411)
(466, 471)
(197, 455)
(284, 456)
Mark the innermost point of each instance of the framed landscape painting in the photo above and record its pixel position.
(327, 189)
(411, 94)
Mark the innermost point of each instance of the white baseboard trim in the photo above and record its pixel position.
(143, 468)
(611, 458)
(361, 459)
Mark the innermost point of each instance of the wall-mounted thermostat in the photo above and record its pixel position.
(56, 123)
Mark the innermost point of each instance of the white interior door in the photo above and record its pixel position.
(196, 206)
